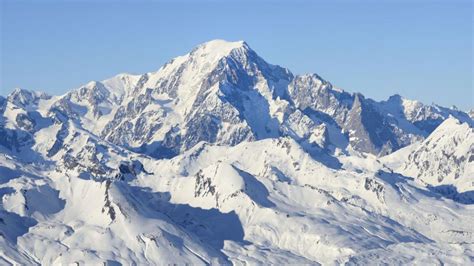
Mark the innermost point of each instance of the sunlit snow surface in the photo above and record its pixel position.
(220, 158)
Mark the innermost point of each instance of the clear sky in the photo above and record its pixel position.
(420, 49)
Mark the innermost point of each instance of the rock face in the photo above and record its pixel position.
(220, 157)
(368, 129)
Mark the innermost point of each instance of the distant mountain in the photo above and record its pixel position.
(219, 157)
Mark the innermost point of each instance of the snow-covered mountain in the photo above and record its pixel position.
(445, 160)
(224, 93)
(220, 157)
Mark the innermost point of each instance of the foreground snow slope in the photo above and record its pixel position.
(264, 201)
(220, 157)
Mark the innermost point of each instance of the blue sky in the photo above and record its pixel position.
(419, 49)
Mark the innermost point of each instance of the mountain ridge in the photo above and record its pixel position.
(234, 73)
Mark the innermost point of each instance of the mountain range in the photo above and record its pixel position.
(220, 157)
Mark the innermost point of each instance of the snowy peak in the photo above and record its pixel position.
(184, 76)
(24, 98)
(114, 89)
(450, 124)
(445, 157)
(122, 84)
(408, 108)
(216, 49)
(204, 57)
(424, 117)
(210, 94)
(232, 57)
